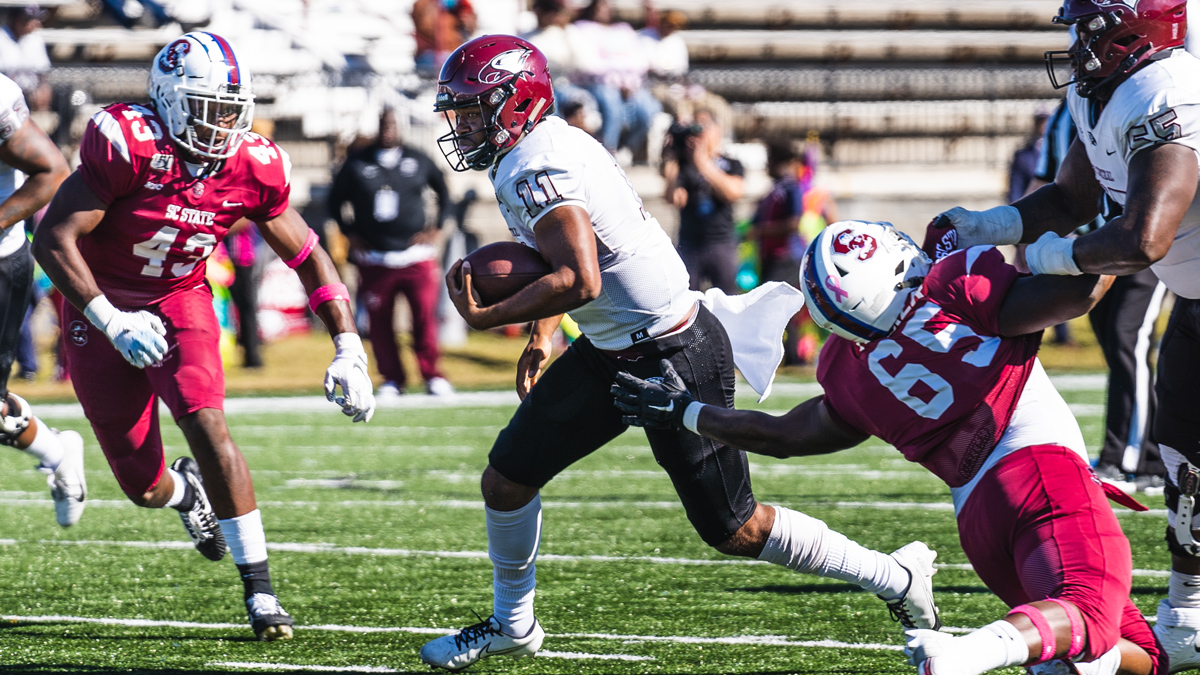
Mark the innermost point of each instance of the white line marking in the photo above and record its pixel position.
(766, 640)
(489, 399)
(582, 655)
(288, 666)
(293, 547)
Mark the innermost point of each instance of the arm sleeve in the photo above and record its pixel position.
(974, 282)
(105, 162)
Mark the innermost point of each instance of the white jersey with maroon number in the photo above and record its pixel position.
(1158, 104)
(162, 221)
(13, 114)
(645, 285)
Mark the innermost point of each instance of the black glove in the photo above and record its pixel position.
(656, 403)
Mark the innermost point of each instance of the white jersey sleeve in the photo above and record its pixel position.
(13, 110)
(535, 191)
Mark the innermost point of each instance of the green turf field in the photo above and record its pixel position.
(378, 544)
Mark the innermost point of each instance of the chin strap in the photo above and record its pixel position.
(1188, 480)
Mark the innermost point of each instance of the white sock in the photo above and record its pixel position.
(245, 538)
(1108, 664)
(805, 544)
(180, 487)
(45, 446)
(513, 538)
(996, 645)
(1183, 590)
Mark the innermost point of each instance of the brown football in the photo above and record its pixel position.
(499, 270)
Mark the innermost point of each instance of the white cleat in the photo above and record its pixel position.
(68, 483)
(469, 645)
(916, 608)
(1178, 629)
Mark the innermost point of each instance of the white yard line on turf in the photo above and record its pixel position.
(765, 640)
(289, 666)
(292, 547)
(486, 399)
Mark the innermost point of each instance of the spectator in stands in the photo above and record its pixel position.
(394, 248)
(440, 27)
(613, 65)
(23, 54)
(787, 219)
(575, 113)
(242, 243)
(668, 52)
(557, 38)
(704, 185)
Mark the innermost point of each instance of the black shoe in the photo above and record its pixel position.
(200, 521)
(268, 618)
(1150, 483)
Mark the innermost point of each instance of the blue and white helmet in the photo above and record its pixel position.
(856, 276)
(203, 93)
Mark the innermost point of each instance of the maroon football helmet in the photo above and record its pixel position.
(502, 79)
(1114, 37)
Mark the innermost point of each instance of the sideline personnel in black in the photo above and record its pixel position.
(394, 248)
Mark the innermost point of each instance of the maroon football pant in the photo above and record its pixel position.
(121, 401)
(1039, 526)
(420, 284)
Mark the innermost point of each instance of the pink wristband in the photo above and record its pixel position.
(309, 244)
(326, 293)
(1077, 629)
(1049, 642)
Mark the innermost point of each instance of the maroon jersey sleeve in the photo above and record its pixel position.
(971, 285)
(269, 169)
(112, 157)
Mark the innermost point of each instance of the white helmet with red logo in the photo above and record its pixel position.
(856, 276)
(203, 93)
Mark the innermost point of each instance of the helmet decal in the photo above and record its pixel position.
(172, 57)
(504, 66)
(847, 243)
(1131, 4)
(835, 287)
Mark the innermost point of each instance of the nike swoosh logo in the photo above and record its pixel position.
(1110, 152)
(669, 407)
(487, 649)
(228, 204)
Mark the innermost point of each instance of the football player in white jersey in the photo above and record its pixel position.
(31, 169)
(1136, 104)
(616, 272)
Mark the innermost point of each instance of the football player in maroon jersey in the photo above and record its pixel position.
(940, 360)
(126, 240)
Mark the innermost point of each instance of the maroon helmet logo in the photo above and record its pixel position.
(847, 243)
(503, 66)
(171, 58)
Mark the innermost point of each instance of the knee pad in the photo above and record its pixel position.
(15, 421)
(1180, 497)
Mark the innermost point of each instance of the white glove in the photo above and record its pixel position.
(138, 336)
(349, 371)
(995, 226)
(1052, 254)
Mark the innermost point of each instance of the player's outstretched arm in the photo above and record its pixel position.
(73, 214)
(807, 429)
(1162, 185)
(566, 240)
(31, 151)
(1060, 207)
(290, 237)
(1035, 303)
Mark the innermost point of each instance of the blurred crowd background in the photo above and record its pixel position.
(745, 125)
